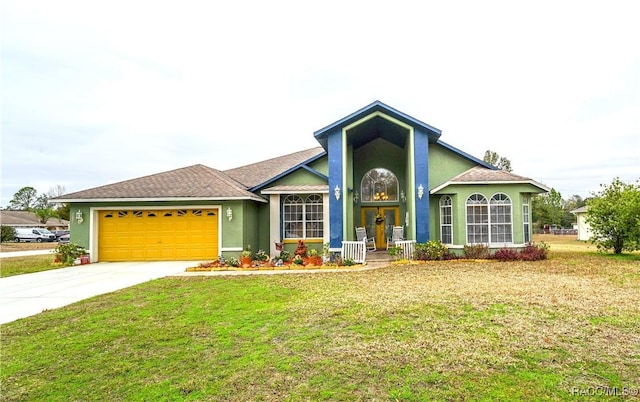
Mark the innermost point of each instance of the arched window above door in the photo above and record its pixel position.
(379, 184)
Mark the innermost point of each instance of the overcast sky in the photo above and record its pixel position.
(99, 92)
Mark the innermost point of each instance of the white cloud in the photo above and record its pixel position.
(111, 91)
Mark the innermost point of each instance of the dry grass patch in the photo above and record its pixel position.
(11, 246)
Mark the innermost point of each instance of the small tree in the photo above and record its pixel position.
(498, 161)
(614, 217)
(24, 200)
(547, 208)
(44, 214)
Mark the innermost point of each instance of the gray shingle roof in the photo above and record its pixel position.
(28, 218)
(260, 172)
(481, 175)
(192, 182)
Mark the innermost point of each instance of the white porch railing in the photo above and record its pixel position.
(407, 248)
(354, 250)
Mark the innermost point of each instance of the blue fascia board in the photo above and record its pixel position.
(376, 106)
(466, 155)
(302, 165)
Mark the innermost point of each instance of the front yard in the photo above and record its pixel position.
(450, 330)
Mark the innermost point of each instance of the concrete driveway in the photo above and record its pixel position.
(26, 295)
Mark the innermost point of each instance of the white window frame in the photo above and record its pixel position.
(500, 216)
(446, 209)
(368, 193)
(526, 221)
(309, 204)
(482, 204)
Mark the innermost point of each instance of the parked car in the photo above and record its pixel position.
(34, 234)
(65, 238)
(60, 233)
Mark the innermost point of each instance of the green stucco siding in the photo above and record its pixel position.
(299, 177)
(444, 165)
(321, 165)
(263, 227)
(79, 233)
(459, 195)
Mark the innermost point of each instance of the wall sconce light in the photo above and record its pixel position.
(403, 196)
(356, 197)
(336, 192)
(229, 214)
(420, 191)
(79, 217)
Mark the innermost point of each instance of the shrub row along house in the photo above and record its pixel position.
(377, 168)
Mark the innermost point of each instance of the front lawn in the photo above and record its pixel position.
(27, 265)
(450, 330)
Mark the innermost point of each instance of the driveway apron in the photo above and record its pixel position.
(26, 295)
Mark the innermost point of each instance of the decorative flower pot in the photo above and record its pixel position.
(245, 262)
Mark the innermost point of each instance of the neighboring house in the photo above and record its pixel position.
(376, 167)
(28, 219)
(584, 230)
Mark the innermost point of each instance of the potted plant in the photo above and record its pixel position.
(326, 255)
(245, 257)
(314, 257)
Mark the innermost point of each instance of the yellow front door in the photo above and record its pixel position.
(155, 235)
(379, 223)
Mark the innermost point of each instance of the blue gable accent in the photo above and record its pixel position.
(421, 169)
(377, 106)
(335, 179)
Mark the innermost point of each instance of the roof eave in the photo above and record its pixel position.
(534, 183)
(294, 192)
(160, 199)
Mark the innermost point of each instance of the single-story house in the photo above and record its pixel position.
(28, 219)
(377, 167)
(584, 229)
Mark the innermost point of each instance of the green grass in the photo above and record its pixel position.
(26, 265)
(438, 331)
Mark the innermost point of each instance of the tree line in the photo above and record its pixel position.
(28, 199)
(613, 213)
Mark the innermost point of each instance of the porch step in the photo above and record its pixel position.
(379, 256)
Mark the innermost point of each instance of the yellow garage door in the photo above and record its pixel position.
(157, 235)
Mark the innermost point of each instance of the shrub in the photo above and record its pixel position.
(261, 255)
(430, 251)
(233, 261)
(68, 252)
(8, 233)
(395, 252)
(285, 255)
(506, 254)
(348, 262)
(476, 251)
(535, 252)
